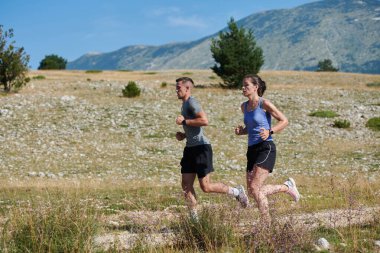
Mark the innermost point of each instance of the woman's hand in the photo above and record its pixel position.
(264, 133)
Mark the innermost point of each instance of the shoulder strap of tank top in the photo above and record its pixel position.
(261, 102)
(245, 106)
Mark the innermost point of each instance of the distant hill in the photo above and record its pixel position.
(345, 31)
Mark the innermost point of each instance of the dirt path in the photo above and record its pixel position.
(125, 239)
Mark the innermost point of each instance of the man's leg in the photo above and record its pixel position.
(188, 189)
(207, 186)
(237, 192)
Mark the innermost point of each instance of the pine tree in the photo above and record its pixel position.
(236, 55)
(326, 65)
(53, 62)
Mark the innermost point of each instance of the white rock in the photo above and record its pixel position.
(51, 175)
(323, 244)
(67, 98)
(32, 174)
(377, 243)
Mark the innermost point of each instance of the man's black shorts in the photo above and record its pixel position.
(262, 154)
(197, 159)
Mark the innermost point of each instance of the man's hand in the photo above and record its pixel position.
(179, 120)
(180, 136)
(239, 130)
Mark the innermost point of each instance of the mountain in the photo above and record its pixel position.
(345, 31)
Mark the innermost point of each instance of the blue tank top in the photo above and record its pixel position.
(254, 120)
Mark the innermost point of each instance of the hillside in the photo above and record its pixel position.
(345, 31)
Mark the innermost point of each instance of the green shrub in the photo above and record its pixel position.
(164, 84)
(39, 77)
(341, 123)
(323, 114)
(374, 124)
(93, 71)
(374, 84)
(212, 77)
(131, 90)
(150, 73)
(187, 73)
(13, 62)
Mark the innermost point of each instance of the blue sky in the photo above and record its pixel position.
(72, 28)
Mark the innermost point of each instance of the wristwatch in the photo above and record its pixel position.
(270, 131)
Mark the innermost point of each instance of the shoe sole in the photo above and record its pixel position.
(241, 189)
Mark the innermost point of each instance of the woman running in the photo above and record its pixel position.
(261, 153)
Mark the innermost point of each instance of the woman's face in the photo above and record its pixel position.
(248, 87)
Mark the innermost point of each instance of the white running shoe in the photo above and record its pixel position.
(242, 197)
(292, 189)
(194, 215)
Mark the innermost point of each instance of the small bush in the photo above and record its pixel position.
(324, 114)
(164, 84)
(39, 77)
(374, 84)
(187, 73)
(212, 77)
(131, 90)
(373, 123)
(93, 71)
(341, 123)
(150, 73)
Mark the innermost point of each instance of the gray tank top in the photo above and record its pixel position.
(194, 135)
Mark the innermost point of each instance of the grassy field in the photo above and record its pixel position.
(79, 162)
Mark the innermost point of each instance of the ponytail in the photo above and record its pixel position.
(256, 80)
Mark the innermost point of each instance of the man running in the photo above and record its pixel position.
(197, 155)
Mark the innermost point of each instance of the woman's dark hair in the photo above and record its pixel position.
(256, 80)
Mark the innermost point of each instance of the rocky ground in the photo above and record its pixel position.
(83, 129)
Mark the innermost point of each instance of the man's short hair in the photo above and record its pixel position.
(185, 79)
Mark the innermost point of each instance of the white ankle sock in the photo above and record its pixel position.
(233, 191)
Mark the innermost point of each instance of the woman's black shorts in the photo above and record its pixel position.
(263, 155)
(197, 159)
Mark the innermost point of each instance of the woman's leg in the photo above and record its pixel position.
(273, 189)
(255, 181)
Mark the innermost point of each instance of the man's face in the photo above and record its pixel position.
(181, 90)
